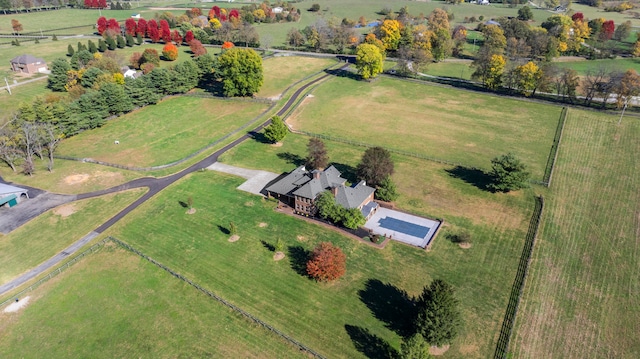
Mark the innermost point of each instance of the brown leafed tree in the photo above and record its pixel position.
(317, 158)
(16, 25)
(375, 166)
(327, 263)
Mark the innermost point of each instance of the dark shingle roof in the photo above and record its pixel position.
(288, 183)
(27, 59)
(352, 197)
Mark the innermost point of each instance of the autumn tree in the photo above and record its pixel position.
(438, 318)
(490, 72)
(130, 26)
(16, 26)
(508, 173)
(389, 33)
(441, 43)
(176, 37)
(327, 263)
(295, 38)
(153, 31)
(276, 131)
(376, 165)
(165, 31)
(170, 51)
(197, 48)
(627, 88)
(141, 28)
(241, 72)
(317, 154)
(527, 77)
(369, 61)
(150, 56)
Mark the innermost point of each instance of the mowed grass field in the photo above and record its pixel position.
(30, 245)
(346, 318)
(114, 304)
(282, 71)
(162, 133)
(454, 125)
(581, 296)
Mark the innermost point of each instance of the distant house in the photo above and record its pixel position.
(130, 73)
(135, 16)
(277, 10)
(28, 64)
(300, 188)
(11, 195)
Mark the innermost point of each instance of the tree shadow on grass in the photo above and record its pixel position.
(183, 204)
(211, 85)
(391, 305)
(299, 258)
(224, 229)
(259, 137)
(371, 345)
(268, 246)
(472, 176)
(344, 73)
(292, 158)
(348, 172)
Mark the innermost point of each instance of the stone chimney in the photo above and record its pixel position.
(316, 174)
(334, 191)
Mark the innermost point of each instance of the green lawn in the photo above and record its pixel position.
(461, 69)
(582, 67)
(282, 71)
(23, 93)
(162, 133)
(460, 126)
(581, 296)
(30, 245)
(331, 318)
(113, 304)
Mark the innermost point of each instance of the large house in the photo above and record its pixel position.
(300, 188)
(28, 64)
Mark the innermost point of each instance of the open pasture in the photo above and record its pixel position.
(281, 72)
(337, 319)
(162, 133)
(581, 296)
(114, 304)
(30, 245)
(454, 125)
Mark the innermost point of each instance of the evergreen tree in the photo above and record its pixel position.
(120, 42)
(111, 43)
(276, 130)
(54, 38)
(386, 191)
(129, 40)
(508, 173)
(58, 77)
(70, 50)
(438, 314)
(415, 347)
(92, 47)
(102, 46)
(139, 39)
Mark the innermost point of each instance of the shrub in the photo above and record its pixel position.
(276, 131)
(508, 173)
(327, 263)
(170, 52)
(315, 8)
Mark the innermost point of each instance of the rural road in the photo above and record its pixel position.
(154, 185)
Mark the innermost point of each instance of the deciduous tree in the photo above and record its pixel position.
(389, 33)
(317, 154)
(16, 26)
(327, 263)
(369, 61)
(241, 72)
(527, 77)
(295, 38)
(170, 51)
(376, 165)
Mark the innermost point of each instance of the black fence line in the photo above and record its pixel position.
(55, 272)
(553, 155)
(502, 347)
(217, 298)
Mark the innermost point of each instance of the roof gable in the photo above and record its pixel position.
(27, 59)
(7, 189)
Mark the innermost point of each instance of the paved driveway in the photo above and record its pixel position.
(403, 227)
(256, 180)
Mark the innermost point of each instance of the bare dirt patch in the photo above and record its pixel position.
(464, 245)
(234, 238)
(277, 144)
(278, 256)
(15, 306)
(262, 224)
(65, 211)
(302, 238)
(438, 350)
(191, 211)
(76, 179)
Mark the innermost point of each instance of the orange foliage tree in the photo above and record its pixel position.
(170, 52)
(227, 45)
(327, 263)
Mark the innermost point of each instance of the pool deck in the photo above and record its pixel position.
(377, 219)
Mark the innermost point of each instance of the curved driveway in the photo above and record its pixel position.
(155, 185)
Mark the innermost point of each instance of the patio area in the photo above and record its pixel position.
(403, 227)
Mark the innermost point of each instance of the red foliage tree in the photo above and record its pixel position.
(194, 12)
(101, 3)
(197, 48)
(165, 31)
(130, 26)
(227, 45)
(170, 51)
(113, 25)
(153, 31)
(216, 12)
(188, 36)
(135, 60)
(142, 27)
(608, 28)
(234, 13)
(327, 263)
(176, 37)
(101, 24)
(577, 17)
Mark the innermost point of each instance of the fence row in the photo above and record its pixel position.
(553, 155)
(55, 272)
(217, 298)
(502, 347)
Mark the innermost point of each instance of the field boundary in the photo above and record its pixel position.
(502, 347)
(56, 271)
(217, 298)
(553, 155)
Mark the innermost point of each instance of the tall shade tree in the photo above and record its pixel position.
(508, 173)
(528, 77)
(375, 166)
(241, 72)
(276, 131)
(438, 318)
(170, 51)
(389, 33)
(317, 154)
(369, 61)
(327, 263)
